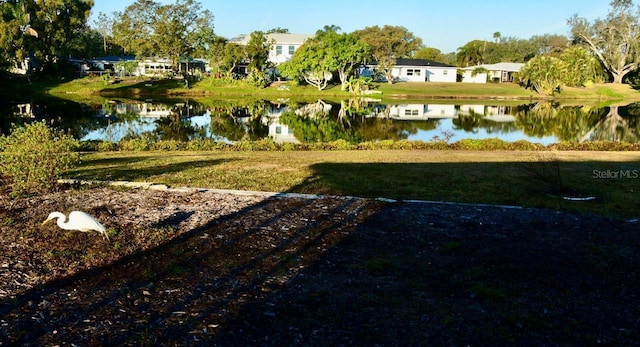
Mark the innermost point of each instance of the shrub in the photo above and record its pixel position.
(135, 145)
(34, 156)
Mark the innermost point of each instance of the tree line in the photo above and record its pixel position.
(603, 50)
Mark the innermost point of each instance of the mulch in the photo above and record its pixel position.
(202, 268)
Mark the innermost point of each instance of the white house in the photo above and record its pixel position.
(500, 72)
(282, 45)
(164, 66)
(416, 70)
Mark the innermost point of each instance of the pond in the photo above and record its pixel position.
(352, 120)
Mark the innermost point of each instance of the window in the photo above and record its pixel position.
(413, 72)
(292, 49)
(410, 112)
(278, 50)
(278, 130)
(444, 72)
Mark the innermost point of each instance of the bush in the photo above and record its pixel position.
(34, 156)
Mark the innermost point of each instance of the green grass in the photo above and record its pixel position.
(138, 88)
(488, 177)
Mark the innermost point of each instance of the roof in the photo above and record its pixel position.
(504, 66)
(416, 62)
(420, 62)
(296, 39)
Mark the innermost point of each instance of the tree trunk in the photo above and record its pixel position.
(617, 77)
(343, 79)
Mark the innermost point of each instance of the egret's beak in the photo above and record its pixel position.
(45, 222)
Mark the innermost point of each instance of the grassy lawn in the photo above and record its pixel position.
(533, 179)
(139, 88)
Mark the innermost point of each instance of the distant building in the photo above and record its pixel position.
(500, 72)
(282, 45)
(415, 70)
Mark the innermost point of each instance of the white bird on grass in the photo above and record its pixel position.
(78, 220)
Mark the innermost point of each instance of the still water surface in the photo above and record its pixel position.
(350, 120)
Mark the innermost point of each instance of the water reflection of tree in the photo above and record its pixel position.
(318, 128)
(174, 128)
(473, 121)
(354, 121)
(73, 118)
(614, 127)
(579, 123)
(236, 122)
(469, 123)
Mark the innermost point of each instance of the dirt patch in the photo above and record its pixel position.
(202, 268)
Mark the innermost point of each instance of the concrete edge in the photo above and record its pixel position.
(164, 187)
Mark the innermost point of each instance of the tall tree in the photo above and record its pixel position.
(278, 30)
(497, 36)
(175, 31)
(509, 49)
(388, 44)
(182, 29)
(327, 29)
(60, 24)
(615, 40)
(233, 55)
(326, 53)
(344, 53)
(549, 44)
(133, 28)
(430, 53)
(103, 24)
(472, 53)
(309, 63)
(47, 29)
(257, 52)
(14, 32)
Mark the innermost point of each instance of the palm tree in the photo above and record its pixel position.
(497, 36)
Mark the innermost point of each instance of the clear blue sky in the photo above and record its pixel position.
(443, 24)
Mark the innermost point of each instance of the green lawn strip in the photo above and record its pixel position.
(508, 178)
(141, 87)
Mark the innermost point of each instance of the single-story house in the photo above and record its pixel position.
(415, 70)
(500, 72)
(163, 66)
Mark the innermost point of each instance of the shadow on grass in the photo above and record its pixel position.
(146, 87)
(355, 272)
(612, 185)
(124, 169)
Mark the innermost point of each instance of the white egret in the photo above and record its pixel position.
(78, 220)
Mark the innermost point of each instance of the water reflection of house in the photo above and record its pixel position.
(495, 113)
(146, 109)
(422, 111)
(466, 110)
(313, 109)
(24, 110)
(278, 132)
